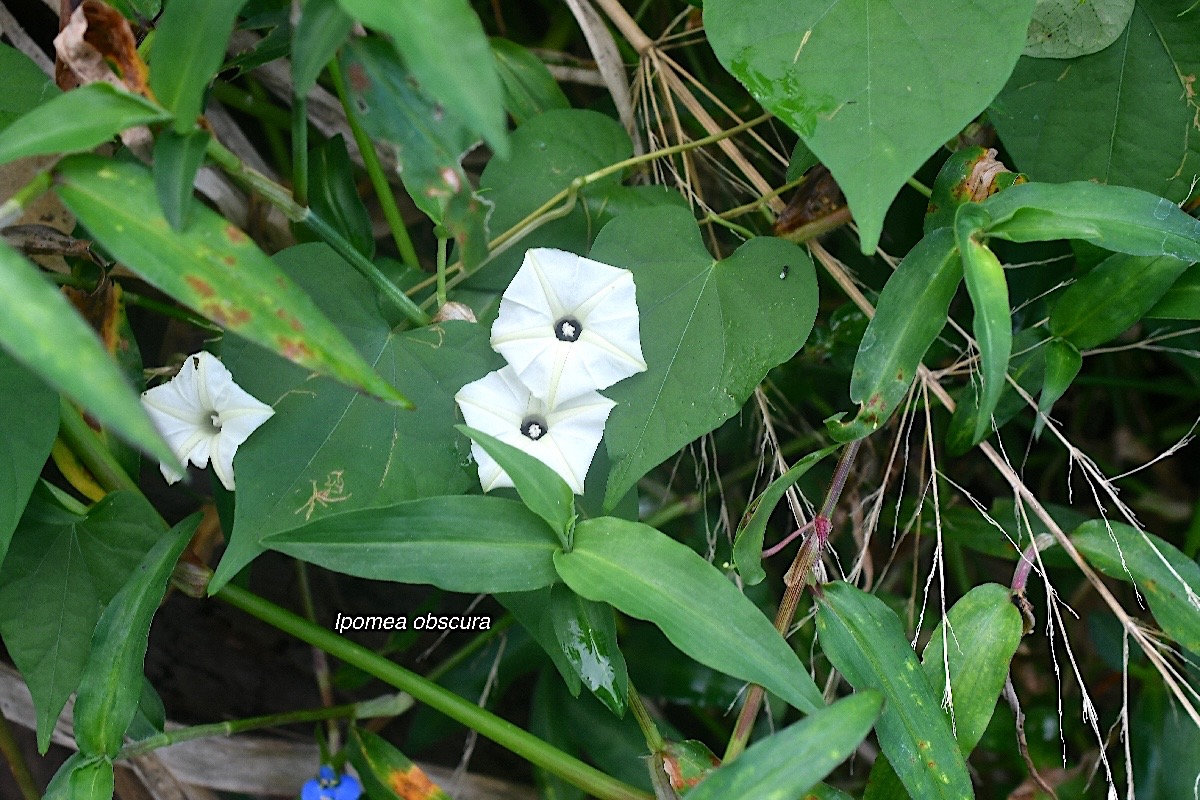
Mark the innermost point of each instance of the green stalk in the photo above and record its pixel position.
(441, 272)
(12, 208)
(347, 711)
(279, 197)
(300, 148)
(379, 182)
(499, 730)
(654, 739)
(279, 150)
(16, 762)
(90, 449)
(247, 103)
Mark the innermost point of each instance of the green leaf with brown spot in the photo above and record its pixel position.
(388, 774)
(212, 267)
(864, 640)
(910, 314)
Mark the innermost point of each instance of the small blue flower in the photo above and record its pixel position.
(328, 785)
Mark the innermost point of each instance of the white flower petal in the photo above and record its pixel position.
(499, 403)
(552, 285)
(204, 415)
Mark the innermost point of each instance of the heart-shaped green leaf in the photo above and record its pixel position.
(330, 450)
(874, 89)
(710, 332)
(61, 569)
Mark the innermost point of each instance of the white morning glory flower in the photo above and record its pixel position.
(563, 437)
(569, 325)
(203, 414)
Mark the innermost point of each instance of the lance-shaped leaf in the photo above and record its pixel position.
(386, 772)
(1182, 300)
(1079, 121)
(529, 88)
(1027, 367)
(112, 679)
(1103, 304)
(82, 777)
(864, 640)
(993, 321)
(42, 331)
(648, 575)
(462, 79)
(540, 487)
(460, 544)
(730, 321)
(322, 29)
(974, 645)
(212, 267)
(791, 761)
(1063, 362)
(911, 312)
(177, 158)
(748, 546)
(77, 120)
(587, 635)
(1113, 217)
(1168, 578)
(189, 44)
(333, 196)
(874, 90)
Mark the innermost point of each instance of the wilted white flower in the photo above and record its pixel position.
(203, 414)
(563, 436)
(569, 325)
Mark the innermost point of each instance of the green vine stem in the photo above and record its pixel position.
(300, 148)
(379, 182)
(795, 580)
(389, 706)
(12, 208)
(501, 731)
(441, 271)
(16, 762)
(87, 446)
(279, 197)
(654, 739)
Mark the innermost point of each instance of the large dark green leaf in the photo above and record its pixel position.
(729, 321)
(461, 544)
(864, 640)
(873, 89)
(212, 267)
(28, 425)
(1112, 296)
(41, 330)
(61, 569)
(461, 77)
(111, 686)
(77, 120)
(1078, 120)
(1168, 578)
(330, 450)
(1113, 217)
(911, 312)
(791, 761)
(645, 574)
(189, 46)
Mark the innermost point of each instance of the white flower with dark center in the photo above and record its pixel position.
(204, 415)
(569, 325)
(564, 437)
